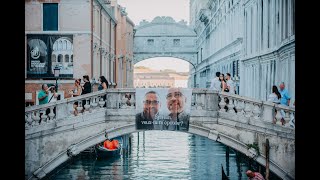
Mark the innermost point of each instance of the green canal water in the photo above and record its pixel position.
(162, 155)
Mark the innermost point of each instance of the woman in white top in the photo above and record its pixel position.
(53, 95)
(275, 96)
(76, 92)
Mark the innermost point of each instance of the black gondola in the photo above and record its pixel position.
(224, 176)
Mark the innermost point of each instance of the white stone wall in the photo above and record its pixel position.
(258, 35)
(181, 83)
(33, 16)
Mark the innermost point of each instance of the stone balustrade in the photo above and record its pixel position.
(251, 109)
(64, 131)
(37, 116)
(244, 108)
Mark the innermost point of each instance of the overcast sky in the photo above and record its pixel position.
(148, 9)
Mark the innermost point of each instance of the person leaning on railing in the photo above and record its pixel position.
(76, 92)
(274, 97)
(103, 85)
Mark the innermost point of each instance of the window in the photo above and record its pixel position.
(150, 42)
(50, 16)
(234, 70)
(59, 58)
(66, 57)
(176, 42)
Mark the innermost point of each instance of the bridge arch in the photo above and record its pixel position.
(56, 140)
(163, 37)
(78, 147)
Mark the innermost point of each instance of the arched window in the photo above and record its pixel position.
(64, 45)
(66, 57)
(60, 58)
(60, 45)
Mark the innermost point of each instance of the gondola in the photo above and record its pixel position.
(224, 176)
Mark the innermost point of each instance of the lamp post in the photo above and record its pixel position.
(56, 75)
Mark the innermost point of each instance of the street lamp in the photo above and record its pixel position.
(56, 75)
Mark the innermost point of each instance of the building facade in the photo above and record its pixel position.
(76, 36)
(253, 40)
(124, 47)
(148, 78)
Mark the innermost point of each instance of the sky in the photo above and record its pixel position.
(161, 63)
(139, 10)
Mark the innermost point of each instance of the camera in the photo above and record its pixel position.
(51, 87)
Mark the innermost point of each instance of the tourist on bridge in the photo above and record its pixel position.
(254, 175)
(86, 88)
(151, 107)
(230, 84)
(223, 84)
(104, 84)
(285, 99)
(53, 97)
(223, 88)
(76, 92)
(43, 94)
(87, 85)
(43, 98)
(215, 83)
(274, 97)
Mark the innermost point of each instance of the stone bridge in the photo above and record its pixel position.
(164, 37)
(62, 135)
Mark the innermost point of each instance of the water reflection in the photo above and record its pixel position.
(161, 155)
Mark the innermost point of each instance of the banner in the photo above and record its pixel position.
(46, 52)
(163, 108)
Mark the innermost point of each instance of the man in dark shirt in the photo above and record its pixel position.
(86, 88)
(87, 85)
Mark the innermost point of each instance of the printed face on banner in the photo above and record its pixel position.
(163, 109)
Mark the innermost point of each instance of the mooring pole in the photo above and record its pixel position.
(267, 159)
(138, 138)
(227, 159)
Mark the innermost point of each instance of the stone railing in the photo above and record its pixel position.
(202, 100)
(48, 113)
(249, 108)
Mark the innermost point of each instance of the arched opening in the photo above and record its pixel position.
(186, 153)
(60, 57)
(66, 58)
(161, 72)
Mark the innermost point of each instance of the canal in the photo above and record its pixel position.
(163, 155)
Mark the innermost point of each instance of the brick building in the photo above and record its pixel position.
(80, 37)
